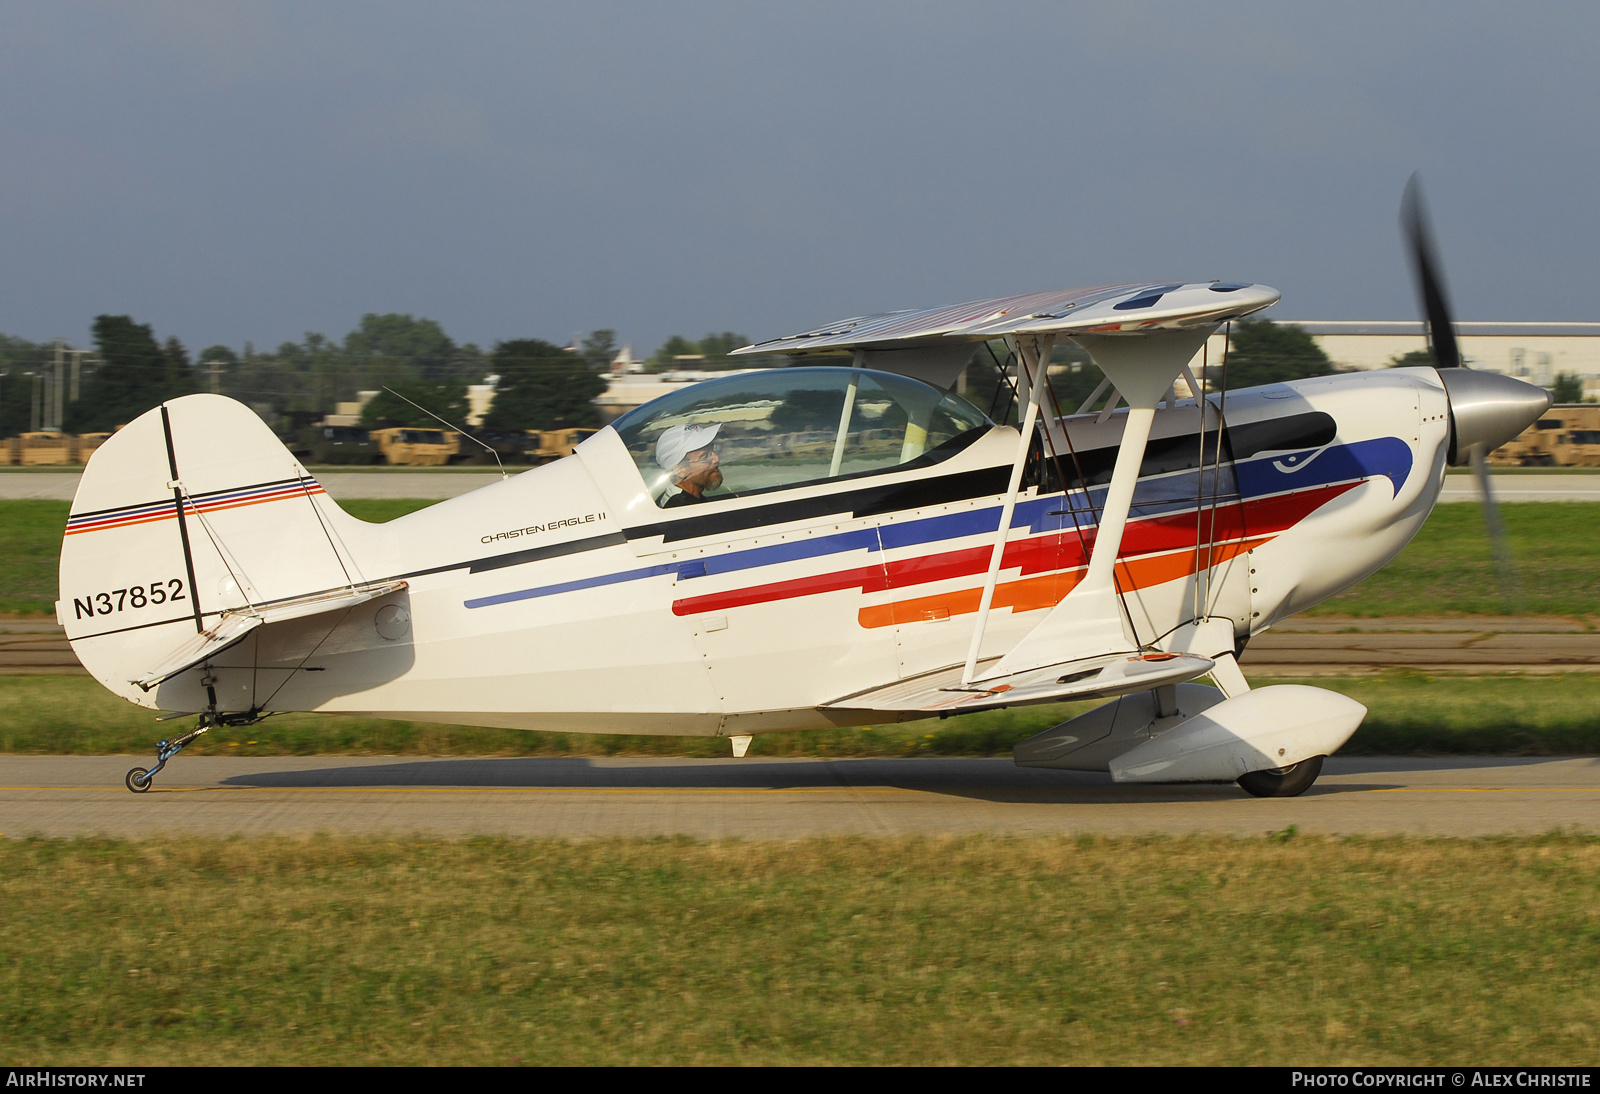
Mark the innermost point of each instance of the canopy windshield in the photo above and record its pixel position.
(784, 427)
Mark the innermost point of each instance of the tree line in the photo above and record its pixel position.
(538, 385)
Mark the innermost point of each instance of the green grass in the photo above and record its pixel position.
(1447, 570)
(30, 560)
(382, 510)
(1409, 713)
(333, 950)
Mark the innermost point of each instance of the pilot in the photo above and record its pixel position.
(685, 453)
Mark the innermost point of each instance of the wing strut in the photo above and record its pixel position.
(1033, 356)
(1089, 621)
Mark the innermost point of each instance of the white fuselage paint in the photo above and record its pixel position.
(758, 626)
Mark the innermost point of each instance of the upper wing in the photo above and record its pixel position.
(1108, 309)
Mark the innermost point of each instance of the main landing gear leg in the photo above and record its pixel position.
(139, 779)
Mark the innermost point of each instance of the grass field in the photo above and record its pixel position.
(1287, 950)
(1447, 570)
(1282, 950)
(1410, 714)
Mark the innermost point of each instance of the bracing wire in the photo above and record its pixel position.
(457, 428)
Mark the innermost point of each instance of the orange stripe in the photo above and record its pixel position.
(1035, 593)
(121, 524)
(200, 508)
(204, 509)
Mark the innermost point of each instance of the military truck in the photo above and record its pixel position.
(553, 444)
(402, 446)
(1567, 436)
(338, 444)
(44, 449)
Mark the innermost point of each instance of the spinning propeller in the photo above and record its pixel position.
(1486, 409)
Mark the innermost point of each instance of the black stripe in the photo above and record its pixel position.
(135, 627)
(1182, 451)
(493, 562)
(556, 550)
(517, 558)
(117, 509)
(183, 526)
(868, 502)
(192, 497)
(252, 486)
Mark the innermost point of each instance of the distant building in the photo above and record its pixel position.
(627, 391)
(480, 397)
(625, 364)
(1535, 352)
(349, 413)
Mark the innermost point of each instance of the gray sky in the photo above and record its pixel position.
(254, 171)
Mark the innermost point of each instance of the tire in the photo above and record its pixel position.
(138, 780)
(1283, 782)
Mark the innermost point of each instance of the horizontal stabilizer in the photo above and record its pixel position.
(234, 626)
(1086, 678)
(229, 630)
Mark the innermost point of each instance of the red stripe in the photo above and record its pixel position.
(1040, 554)
(121, 522)
(283, 494)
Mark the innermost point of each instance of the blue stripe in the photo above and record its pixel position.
(199, 501)
(864, 539)
(1385, 457)
(571, 586)
(285, 489)
(1388, 457)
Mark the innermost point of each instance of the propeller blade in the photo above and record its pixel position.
(1429, 272)
(1505, 566)
(1430, 280)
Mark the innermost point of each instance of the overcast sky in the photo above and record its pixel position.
(254, 171)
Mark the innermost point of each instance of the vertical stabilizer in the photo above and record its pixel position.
(194, 509)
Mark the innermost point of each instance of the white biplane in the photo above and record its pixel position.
(807, 547)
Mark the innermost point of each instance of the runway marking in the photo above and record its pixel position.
(1487, 790)
(777, 790)
(484, 789)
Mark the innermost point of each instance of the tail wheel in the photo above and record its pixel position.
(1283, 782)
(138, 780)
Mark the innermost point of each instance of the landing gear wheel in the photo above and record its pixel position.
(138, 780)
(1283, 782)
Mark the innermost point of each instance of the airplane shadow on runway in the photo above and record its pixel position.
(988, 779)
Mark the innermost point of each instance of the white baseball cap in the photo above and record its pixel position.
(680, 440)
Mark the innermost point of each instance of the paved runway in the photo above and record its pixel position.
(771, 799)
(447, 483)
